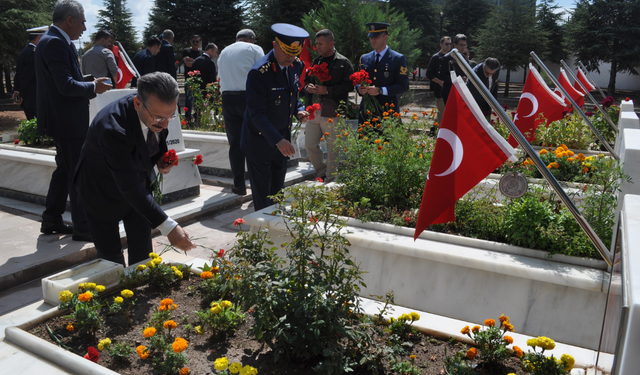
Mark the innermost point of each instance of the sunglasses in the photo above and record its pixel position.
(195, 42)
(447, 44)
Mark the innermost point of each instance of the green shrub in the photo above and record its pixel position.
(28, 133)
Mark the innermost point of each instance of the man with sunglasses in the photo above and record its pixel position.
(115, 176)
(188, 56)
(488, 72)
(432, 73)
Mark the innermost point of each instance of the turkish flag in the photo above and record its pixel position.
(536, 98)
(125, 73)
(583, 78)
(576, 95)
(468, 148)
(305, 56)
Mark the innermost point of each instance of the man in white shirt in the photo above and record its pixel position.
(234, 64)
(99, 61)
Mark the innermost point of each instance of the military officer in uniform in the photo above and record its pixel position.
(273, 84)
(387, 70)
(25, 78)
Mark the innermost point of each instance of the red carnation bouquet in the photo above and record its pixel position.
(362, 78)
(320, 73)
(312, 110)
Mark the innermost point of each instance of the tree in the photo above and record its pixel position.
(509, 35)
(466, 17)
(347, 19)
(606, 31)
(424, 16)
(549, 22)
(117, 18)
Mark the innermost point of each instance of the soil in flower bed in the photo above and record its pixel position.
(203, 350)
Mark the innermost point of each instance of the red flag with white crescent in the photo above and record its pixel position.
(536, 98)
(467, 149)
(125, 73)
(305, 56)
(583, 78)
(576, 95)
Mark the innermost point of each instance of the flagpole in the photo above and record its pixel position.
(542, 168)
(613, 125)
(576, 106)
(592, 80)
(131, 65)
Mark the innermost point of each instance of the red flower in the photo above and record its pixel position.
(312, 110)
(183, 122)
(185, 109)
(627, 99)
(320, 71)
(238, 221)
(198, 160)
(505, 107)
(360, 78)
(589, 114)
(220, 253)
(92, 354)
(319, 179)
(170, 157)
(16, 141)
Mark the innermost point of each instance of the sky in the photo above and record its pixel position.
(140, 10)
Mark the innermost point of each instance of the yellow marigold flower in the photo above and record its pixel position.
(465, 330)
(563, 146)
(518, 352)
(185, 371)
(126, 293)
(174, 268)
(85, 297)
(414, 316)
(571, 153)
(170, 324)
(248, 370)
(206, 275)
(215, 269)
(149, 332)
(490, 322)
(100, 346)
(550, 165)
(157, 260)
(404, 317)
(65, 296)
(472, 353)
(91, 286)
(104, 343)
(235, 367)
(225, 304)
(544, 151)
(546, 343)
(600, 156)
(179, 345)
(568, 362)
(221, 364)
(508, 339)
(82, 286)
(199, 330)
(179, 274)
(475, 329)
(100, 288)
(142, 351)
(118, 300)
(174, 306)
(153, 255)
(532, 342)
(216, 309)
(570, 160)
(70, 327)
(150, 264)
(392, 319)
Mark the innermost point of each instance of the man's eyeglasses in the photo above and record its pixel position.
(156, 119)
(195, 42)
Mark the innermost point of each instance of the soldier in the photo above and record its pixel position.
(387, 70)
(272, 101)
(25, 79)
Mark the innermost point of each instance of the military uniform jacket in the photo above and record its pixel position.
(272, 103)
(390, 73)
(25, 80)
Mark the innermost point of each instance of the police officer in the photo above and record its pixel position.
(387, 70)
(272, 101)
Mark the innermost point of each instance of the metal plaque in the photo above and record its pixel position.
(513, 185)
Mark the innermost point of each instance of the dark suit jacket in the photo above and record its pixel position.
(166, 60)
(432, 72)
(207, 68)
(145, 63)
(479, 70)
(115, 169)
(392, 73)
(62, 99)
(444, 73)
(25, 80)
(272, 103)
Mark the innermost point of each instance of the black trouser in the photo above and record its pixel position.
(267, 178)
(61, 185)
(30, 113)
(234, 104)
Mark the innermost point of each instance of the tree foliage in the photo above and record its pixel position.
(606, 31)
(262, 14)
(466, 17)
(424, 16)
(549, 23)
(509, 35)
(347, 19)
(117, 18)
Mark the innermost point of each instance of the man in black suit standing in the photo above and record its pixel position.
(63, 113)
(145, 61)
(205, 65)
(25, 80)
(115, 176)
(166, 58)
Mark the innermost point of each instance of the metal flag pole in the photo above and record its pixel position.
(542, 168)
(604, 113)
(593, 81)
(129, 62)
(575, 106)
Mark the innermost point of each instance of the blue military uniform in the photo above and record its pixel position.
(391, 71)
(272, 103)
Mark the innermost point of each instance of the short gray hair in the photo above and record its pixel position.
(66, 8)
(245, 34)
(159, 84)
(167, 34)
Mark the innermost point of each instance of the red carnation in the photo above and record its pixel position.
(170, 157)
(92, 354)
(319, 179)
(198, 160)
(238, 221)
(312, 110)
(186, 109)
(183, 122)
(16, 141)
(320, 71)
(360, 78)
(220, 253)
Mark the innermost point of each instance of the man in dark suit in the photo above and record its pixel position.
(205, 65)
(145, 61)
(115, 174)
(488, 71)
(273, 84)
(166, 58)
(432, 73)
(25, 80)
(447, 64)
(63, 113)
(387, 70)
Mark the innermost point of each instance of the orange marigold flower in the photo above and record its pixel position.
(397, 115)
(406, 110)
(377, 141)
(436, 124)
(465, 330)
(475, 329)
(85, 297)
(379, 148)
(142, 351)
(392, 105)
(149, 332)
(166, 302)
(385, 118)
(170, 324)
(337, 115)
(424, 113)
(508, 339)
(490, 322)
(377, 126)
(375, 119)
(326, 134)
(206, 275)
(518, 352)
(507, 326)
(503, 318)
(215, 269)
(385, 113)
(70, 327)
(162, 308)
(185, 371)
(368, 112)
(330, 120)
(472, 353)
(179, 345)
(174, 306)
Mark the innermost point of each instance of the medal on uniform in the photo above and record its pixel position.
(278, 101)
(386, 74)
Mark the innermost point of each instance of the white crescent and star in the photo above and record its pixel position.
(534, 101)
(458, 151)
(557, 90)
(119, 75)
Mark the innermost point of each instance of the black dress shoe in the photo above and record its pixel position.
(239, 190)
(82, 236)
(60, 228)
